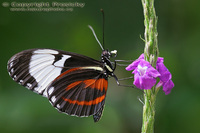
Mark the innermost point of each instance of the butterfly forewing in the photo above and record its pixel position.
(34, 69)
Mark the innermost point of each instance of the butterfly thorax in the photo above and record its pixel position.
(105, 58)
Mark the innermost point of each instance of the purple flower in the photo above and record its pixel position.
(145, 75)
(165, 78)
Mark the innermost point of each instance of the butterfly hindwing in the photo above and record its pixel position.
(79, 91)
(98, 115)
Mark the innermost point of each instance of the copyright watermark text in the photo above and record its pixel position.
(42, 6)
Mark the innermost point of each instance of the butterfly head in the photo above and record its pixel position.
(108, 54)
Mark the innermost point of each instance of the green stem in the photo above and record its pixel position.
(150, 55)
(148, 112)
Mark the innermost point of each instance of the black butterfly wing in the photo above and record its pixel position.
(79, 91)
(41, 69)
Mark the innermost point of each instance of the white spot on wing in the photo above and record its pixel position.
(61, 62)
(20, 81)
(29, 85)
(58, 106)
(36, 89)
(11, 64)
(12, 70)
(43, 51)
(50, 90)
(53, 99)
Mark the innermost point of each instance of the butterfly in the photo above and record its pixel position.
(73, 83)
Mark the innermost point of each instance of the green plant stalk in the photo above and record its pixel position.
(150, 54)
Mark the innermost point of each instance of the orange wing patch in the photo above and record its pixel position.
(73, 85)
(89, 83)
(99, 84)
(88, 103)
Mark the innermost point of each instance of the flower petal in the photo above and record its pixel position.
(153, 72)
(165, 77)
(161, 67)
(144, 82)
(149, 82)
(160, 60)
(167, 87)
(137, 81)
(141, 56)
(135, 63)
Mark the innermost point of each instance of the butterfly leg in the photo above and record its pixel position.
(124, 60)
(126, 78)
(118, 83)
(114, 66)
(119, 64)
(113, 75)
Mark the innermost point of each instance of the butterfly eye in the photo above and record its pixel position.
(113, 53)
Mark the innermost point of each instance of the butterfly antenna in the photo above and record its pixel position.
(103, 25)
(95, 36)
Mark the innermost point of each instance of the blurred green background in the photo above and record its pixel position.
(179, 35)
